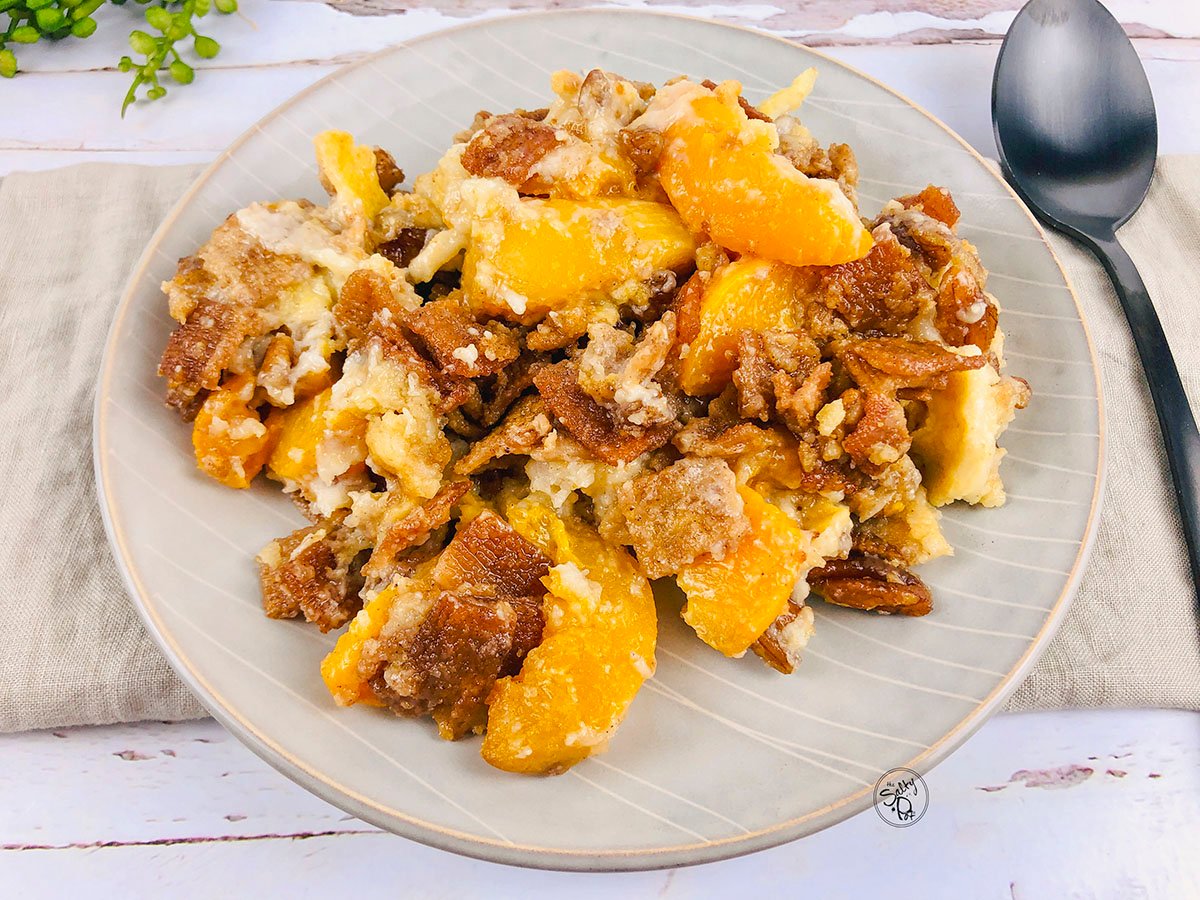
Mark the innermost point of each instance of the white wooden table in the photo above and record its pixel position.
(1054, 805)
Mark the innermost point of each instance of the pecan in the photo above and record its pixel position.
(404, 247)
(880, 292)
(964, 314)
(642, 146)
(389, 174)
(886, 364)
(780, 645)
(867, 582)
(935, 202)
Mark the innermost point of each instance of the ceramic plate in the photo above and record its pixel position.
(718, 756)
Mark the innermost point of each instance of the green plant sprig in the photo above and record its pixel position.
(173, 22)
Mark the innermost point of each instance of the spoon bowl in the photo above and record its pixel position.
(1074, 116)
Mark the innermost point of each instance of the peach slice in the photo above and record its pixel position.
(750, 293)
(722, 174)
(732, 601)
(230, 440)
(597, 649)
(544, 255)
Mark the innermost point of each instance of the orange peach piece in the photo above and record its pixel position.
(230, 440)
(349, 169)
(731, 602)
(597, 649)
(301, 428)
(722, 174)
(339, 670)
(544, 255)
(750, 293)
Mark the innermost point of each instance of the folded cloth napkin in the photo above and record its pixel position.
(74, 651)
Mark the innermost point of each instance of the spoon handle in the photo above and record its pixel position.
(1180, 437)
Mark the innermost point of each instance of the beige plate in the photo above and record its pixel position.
(717, 757)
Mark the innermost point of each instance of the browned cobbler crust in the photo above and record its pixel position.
(310, 572)
(674, 516)
(867, 582)
(415, 528)
(591, 424)
(484, 618)
(520, 431)
(460, 345)
(880, 292)
(201, 349)
(487, 558)
(890, 364)
(508, 147)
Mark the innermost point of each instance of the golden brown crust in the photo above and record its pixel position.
(461, 648)
(879, 292)
(310, 572)
(674, 516)
(487, 558)
(200, 349)
(881, 435)
(521, 430)
(509, 147)
(413, 529)
(460, 345)
(888, 364)
(593, 425)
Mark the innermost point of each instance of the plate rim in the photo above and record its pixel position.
(511, 853)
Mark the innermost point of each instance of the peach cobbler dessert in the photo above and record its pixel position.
(641, 335)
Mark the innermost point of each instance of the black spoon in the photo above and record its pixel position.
(1077, 134)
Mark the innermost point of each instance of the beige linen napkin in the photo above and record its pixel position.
(72, 650)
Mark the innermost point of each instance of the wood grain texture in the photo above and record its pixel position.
(1036, 805)
(1086, 804)
(841, 22)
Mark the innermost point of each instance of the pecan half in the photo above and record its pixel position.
(867, 582)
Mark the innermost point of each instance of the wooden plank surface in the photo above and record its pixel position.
(1102, 804)
(840, 22)
(1037, 805)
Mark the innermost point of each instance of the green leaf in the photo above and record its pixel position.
(49, 19)
(6, 5)
(206, 47)
(24, 34)
(158, 18)
(8, 63)
(142, 43)
(68, 4)
(35, 5)
(83, 28)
